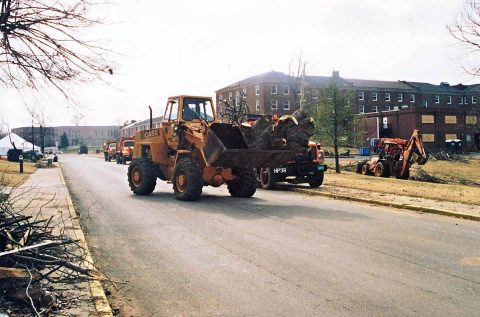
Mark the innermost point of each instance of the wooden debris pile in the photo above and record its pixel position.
(290, 132)
(32, 257)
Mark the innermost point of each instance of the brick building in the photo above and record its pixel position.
(391, 108)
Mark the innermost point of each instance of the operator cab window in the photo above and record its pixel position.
(197, 108)
(174, 112)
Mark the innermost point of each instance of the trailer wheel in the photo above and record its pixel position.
(381, 170)
(124, 160)
(318, 181)
(142, 176)
(245, 185)
(187, 180)
(267, 179)
(106, 156)
(359, 167)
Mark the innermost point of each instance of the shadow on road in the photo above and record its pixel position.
(256, 208)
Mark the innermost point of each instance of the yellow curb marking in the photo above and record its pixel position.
(97, 292)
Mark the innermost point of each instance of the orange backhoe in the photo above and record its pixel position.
(395, 156)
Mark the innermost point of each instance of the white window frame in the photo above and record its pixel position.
(460, 102)
(274, 102)
(257, 105)
(387, 108)
(230, 96)
(361, 109)
(449, 100)
(287, 91)
(437, 99)
(425, 103)
(400, 98)
(276, 89)
(465, 100)
(361, 95)
(257, 90)
(474, 100)
(286, 105)
(220, 98)
(237, 98)
(387, 97)
(412, 98)
(374, 108)
(244, 93)
(315, 94)
(374, 96)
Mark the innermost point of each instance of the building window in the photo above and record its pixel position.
(274, 89)
(315, 94)
(400, 98)
(257, 90)
(451, 119)
(471, 120)
(237, 98)
(286, 90)
(361, 109)
(450, 136)
(465, 101)
(449, 100)
(387, 96)
(374, 96)
(460, 101)
(286, 105)
(274, 105)
(230, 96)
(257, 105)
(427, 118)
(437, 99)
(412, 97)
(220, 98)
(428, 137)
(474, 99)
(374, 109)
(424, 103)
(387, 108)
(244, 93)
(361, 95)
(468, 138)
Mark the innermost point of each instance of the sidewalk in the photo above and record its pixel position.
(447, 208)
(49, 192)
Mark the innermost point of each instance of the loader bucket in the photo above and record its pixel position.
(226, 147)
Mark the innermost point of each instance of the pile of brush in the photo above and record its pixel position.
(290, 132)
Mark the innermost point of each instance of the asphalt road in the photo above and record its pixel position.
(278, 253)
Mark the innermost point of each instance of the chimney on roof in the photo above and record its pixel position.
(444, 83)
(336, 74)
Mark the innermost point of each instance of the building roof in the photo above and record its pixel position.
(143, 122)
(359, 83)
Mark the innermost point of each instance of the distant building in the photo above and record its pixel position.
(132, 128)
(92, 136)
(391, 108)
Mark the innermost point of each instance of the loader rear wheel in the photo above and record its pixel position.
(365, 169)
(381, 170)
(267, 179)
(187, 180)
(359, 167)
(245, 185)
(142, 176)
(317, 182)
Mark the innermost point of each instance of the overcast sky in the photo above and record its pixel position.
(196, 47)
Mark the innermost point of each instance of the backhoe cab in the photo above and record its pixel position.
(191, 149)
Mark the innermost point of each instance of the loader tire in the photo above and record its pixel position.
(381, 170)
(359, 167)
(124, 160)
(106, 156)
(318, 181)
(187, 180)
(266, 177)
(142, 176)
(245, 185)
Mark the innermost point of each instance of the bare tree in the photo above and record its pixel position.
(235, 110)
(466, 30)
(40, 43)
(297, 71)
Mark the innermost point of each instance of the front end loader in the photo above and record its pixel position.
(191, 149)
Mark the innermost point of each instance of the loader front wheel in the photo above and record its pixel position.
(187, 180)
(317, 182)
(245, 185)
(142, 176)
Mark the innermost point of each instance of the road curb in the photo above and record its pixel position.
(442, 212)
(102, 307)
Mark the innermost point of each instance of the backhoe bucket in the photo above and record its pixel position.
(226, 147)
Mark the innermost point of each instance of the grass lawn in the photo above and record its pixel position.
(462, 179)
(10, 173)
